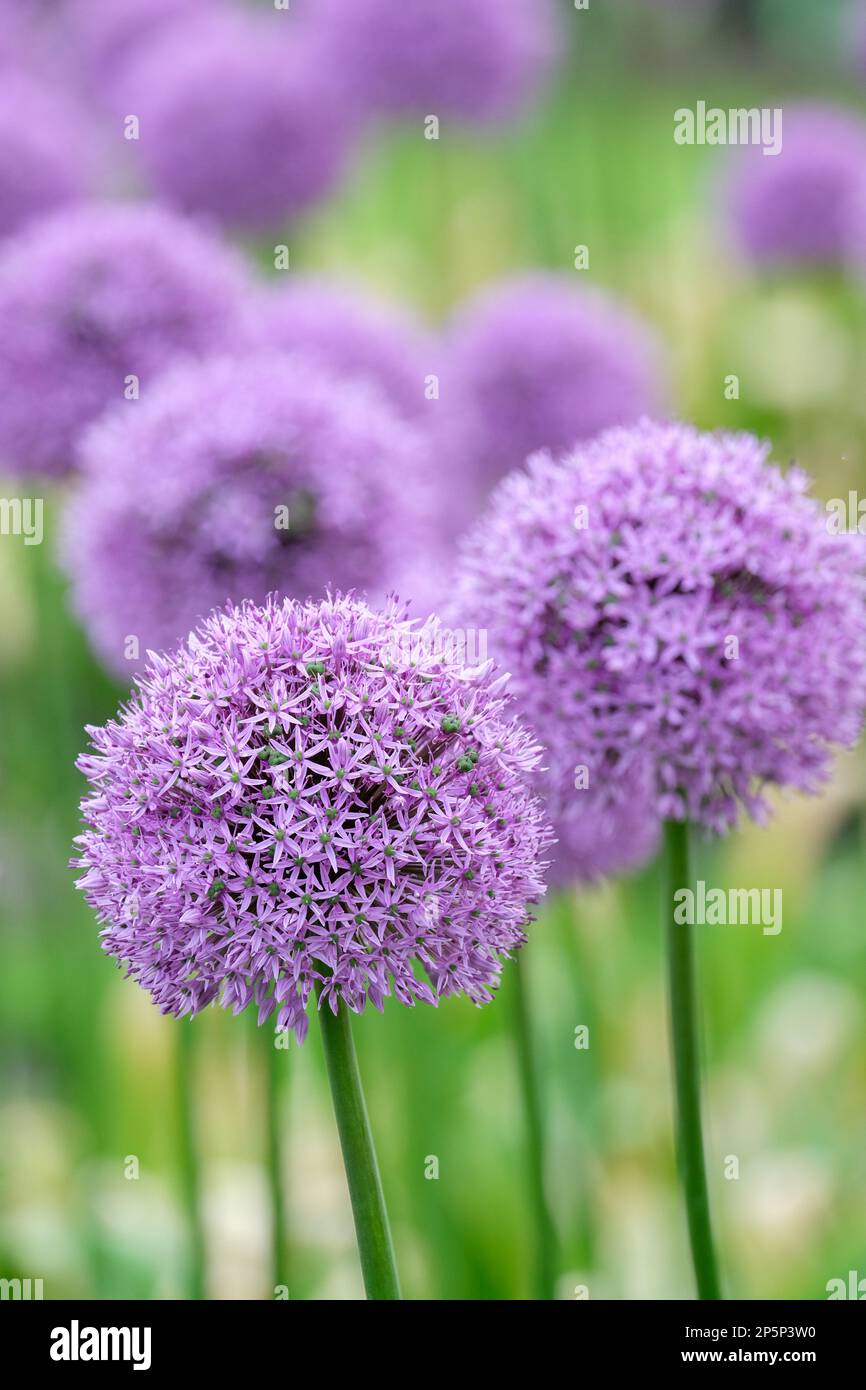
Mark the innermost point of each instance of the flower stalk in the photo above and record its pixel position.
(682, 997)
(373, 1233)
(544, 1281)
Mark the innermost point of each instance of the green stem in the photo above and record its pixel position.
(190, 1171)
(359, 1156)
(686, 1066)
(275, 1069)
(545, 1251)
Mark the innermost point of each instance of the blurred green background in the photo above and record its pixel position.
(87, 1066)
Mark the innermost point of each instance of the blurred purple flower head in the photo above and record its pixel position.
(351, 336)
(95, 295)
(287, 801)
(230, 479)
(535, 362)
(236, 121)
(104, 37)
(673, 607)
(481, 60)
(796, 207)
(45, 155)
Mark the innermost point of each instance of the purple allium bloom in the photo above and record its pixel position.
(232, 478)
(236, 122)
(311, 794)
(536, 362)
(45, 159)
(104, 37)
(91, 296)
(795, 207)
(351, 336)
(481, 60)
(673, 607)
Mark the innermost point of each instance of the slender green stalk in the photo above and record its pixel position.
(276, 1066)
(359, 1156)
(189, 1161)
(686, 1066)
(544, 1280)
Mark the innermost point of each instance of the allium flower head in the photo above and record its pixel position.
(795, 207)
(289, 800)
(236, 122)
(480, 60)
(91, 296)
(45, 160)
(350, 336)
(673, 607)
(536, 363)
(229, 479)
(104, 37)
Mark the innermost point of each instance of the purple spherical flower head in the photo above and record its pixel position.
(106, 37)
(479, 61)
(795, 207)
(351, 336)
(311, 794)
(236, 122)
(232, 478)
(91, 297)
(672, 606)
(45, 155)
(534, 362)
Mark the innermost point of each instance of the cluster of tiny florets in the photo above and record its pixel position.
(311, 797)
(673, 606)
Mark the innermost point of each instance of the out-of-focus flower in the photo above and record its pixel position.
(105, 37)
(535, 362)
(233, 478)
(236, 122)
(796, 207)
(94, 302)
(480, 60)
(287, 802)
(673, 607)
(350, 335)
(45, 155)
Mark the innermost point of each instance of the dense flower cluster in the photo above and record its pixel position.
(231, 478)
(288, 802)
(535, 362)
(45, 158)
(90, 297)
(480, 60)
(237, 122)
(350, 336)
(673, 607)
(796, 207)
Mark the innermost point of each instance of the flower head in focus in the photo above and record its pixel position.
(311, 794)
(676, 615)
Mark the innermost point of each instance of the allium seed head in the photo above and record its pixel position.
(91, 297)
(535, 362)
(230, 478)
(285, 801)
(674, 608)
